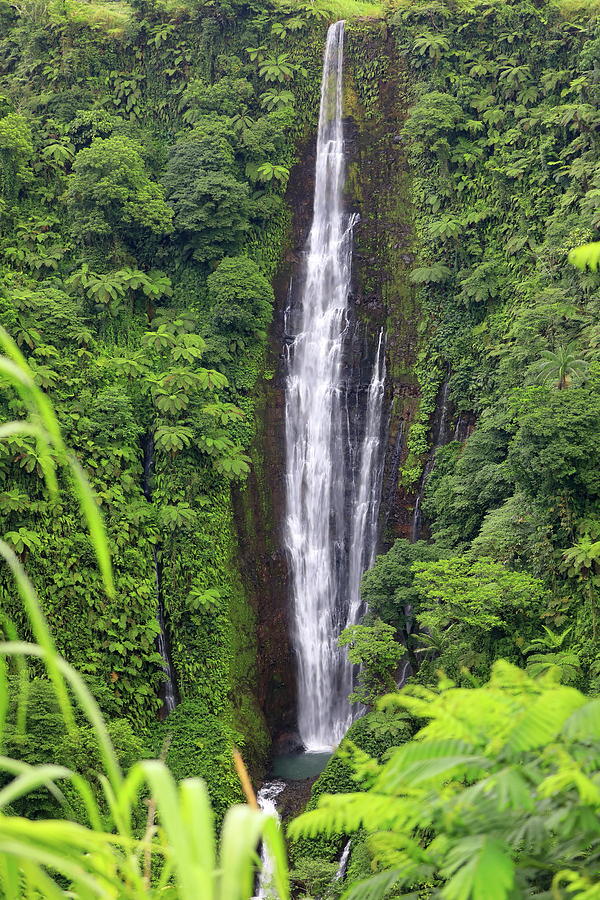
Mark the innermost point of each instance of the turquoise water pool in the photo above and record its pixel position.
(297, 766)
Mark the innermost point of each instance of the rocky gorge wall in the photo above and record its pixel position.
(378, 192)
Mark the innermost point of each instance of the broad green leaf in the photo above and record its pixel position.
(241, 833)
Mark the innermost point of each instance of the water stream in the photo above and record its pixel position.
(343, 866)
(333, 471)
(169, 692)
(266, 798)
(366, 495)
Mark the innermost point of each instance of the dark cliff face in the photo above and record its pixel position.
(260, 507)
(379, 183)
(378, 191)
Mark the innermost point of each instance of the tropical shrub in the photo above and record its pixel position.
(110, 191)
(496, 797)
(373, 648)
(241, 299)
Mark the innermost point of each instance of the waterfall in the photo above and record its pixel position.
(368, 486)
(365, 506)
(343, 866)
(266, 798)
(333, 480)
(170, 694)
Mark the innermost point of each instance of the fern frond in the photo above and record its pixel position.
(511, 789)
(584, 723)
(419, 707)
(374, 888)
(346, 813)
(506, 789)
(529, 833)
(543, 719)
(571, 777)
(506, 675)
(480, 868)
(415, 763)
(390, 850)
(468, 715)
(437, 272)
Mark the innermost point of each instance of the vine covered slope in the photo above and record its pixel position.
(145, 152)
(153, 199)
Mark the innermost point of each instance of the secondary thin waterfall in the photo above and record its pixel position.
(169, 690)
(364, 510)
(331, 487)
(267, 801)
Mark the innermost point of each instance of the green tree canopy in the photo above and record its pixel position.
(480, 593)
(211, 204)
(474, 609)
(110, 190)
(241, 298)
(388, 588)
(554, 452)
(375, 650)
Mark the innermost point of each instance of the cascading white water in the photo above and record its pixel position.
(365, 507)
(314, 445)
(343, 866)
(169, 691)
(331, 502)
(170, 696)
(266, 798)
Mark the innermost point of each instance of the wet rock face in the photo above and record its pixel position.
(287, 742)
(378, 192)
(260, 507)
(384, 247)
(295, 796)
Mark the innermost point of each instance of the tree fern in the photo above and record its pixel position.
(478, 868)
(374, 888)
(499, 785)
(436, 273)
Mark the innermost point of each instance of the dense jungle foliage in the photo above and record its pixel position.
(145, 151)
(502, 143)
